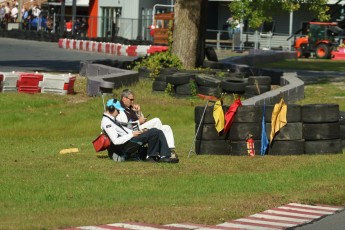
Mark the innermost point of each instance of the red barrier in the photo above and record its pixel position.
(29, 83)
(131, 51)
(70, 85)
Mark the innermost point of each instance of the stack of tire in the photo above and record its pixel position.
(321, 128)
(160, 84)
(234, 83)
(342, 127)
(257, 85)
(186, 83)
(289, 140)
(246, 121)
(207, 139)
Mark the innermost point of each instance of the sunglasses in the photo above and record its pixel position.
(131, 99)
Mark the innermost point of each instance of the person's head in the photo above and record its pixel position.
(127, 97)
(114, 107)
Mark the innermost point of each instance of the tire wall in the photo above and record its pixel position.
(234, 142)
(321, 128)
(320, 133)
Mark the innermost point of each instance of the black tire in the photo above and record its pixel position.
(342, 132)
(208, 132)
(239, 148)
(239, 131)
(323, 51)
(254, 90)
(321, 131)
(293, 113)
(234, 85)
(161, 77)
(184, 89)
(211, 54)
(260, 80)
(247, 113)
(168, 71)
(291, 131)
(211, 91)
(217, 147)
(212, 64)
(179, 78)
(144, 72)
(207, 80)
(342, 117)
(324, 146)
(208, 117)
(313, 113)
(295, 147)
(159, 85)
(234, 75)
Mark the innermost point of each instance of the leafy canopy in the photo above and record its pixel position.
(259, 11)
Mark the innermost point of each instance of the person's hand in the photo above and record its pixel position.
(136, 133)
(142, 120)
(136, 108)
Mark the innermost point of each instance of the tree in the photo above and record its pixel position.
(191, 19)
(189, 28)
(258, 11)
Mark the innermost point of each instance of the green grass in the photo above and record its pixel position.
(307, 64)
(42, 189)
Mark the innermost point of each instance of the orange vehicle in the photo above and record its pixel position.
(161, 28)
(320, 38)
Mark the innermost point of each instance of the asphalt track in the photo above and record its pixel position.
(28, 55)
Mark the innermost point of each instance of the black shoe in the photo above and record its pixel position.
(151, 159)
(168, 160)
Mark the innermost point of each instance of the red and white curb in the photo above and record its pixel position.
(115, 49)
(287, 216)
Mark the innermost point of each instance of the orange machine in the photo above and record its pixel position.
(320, 38)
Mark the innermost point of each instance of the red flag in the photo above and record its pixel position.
(230, 114)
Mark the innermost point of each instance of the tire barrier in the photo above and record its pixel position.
(323, 146)
(342, 127)
(295, 138)
(234, 85)
(245, 121)
(317, 113)
(293, 147)
(321, 128)
(257, 85)
(37, 83)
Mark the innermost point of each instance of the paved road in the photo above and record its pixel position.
(27, 55)
(332, 222)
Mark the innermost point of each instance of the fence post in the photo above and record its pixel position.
(218, 40)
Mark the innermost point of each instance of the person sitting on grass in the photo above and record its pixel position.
(132, 113)
(124, 139)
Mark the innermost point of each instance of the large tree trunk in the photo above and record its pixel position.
(189, 29)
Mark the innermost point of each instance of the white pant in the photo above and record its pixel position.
(156, 123)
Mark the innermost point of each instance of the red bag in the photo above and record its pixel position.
(101, 143)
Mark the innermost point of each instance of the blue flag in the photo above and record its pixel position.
(264, 139)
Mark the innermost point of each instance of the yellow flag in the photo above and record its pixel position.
(278, 118)
(218, 116)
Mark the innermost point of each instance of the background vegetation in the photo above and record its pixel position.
(42, 189)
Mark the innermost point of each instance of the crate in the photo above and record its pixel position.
(10, 81)
(29, 82)
(58, 84)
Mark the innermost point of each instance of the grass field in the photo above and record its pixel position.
(42, 189)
